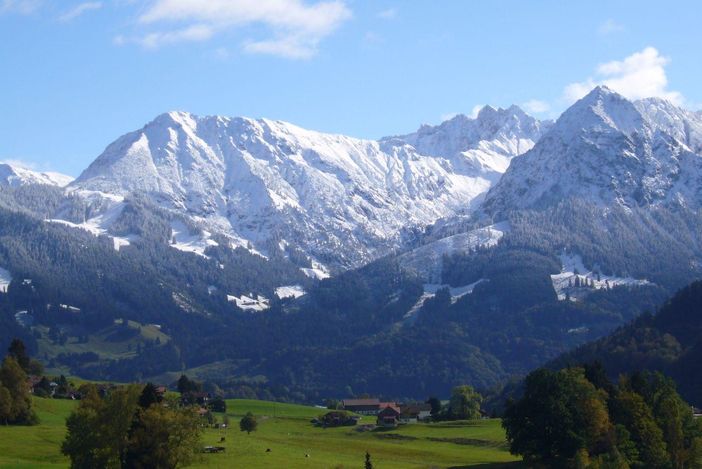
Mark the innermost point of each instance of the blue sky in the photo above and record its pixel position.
(76, 75)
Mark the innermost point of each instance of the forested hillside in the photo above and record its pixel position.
(669, 341)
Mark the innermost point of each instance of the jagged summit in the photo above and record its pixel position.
(484, 144)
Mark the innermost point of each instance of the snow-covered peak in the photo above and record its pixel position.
(600, 110)
(609, 150)
(15, 175)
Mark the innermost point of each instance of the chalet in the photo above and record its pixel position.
(361, 406)
(33, 381)
(389, 416)
(413, 413)
(161, 391)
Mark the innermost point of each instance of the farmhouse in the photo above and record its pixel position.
(362, 406)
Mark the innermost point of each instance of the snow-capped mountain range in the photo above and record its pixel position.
(339, 200)
(608, 150)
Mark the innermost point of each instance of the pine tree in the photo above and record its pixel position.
(369, 464)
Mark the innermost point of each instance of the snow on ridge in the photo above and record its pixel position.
(15, 175)
(427, 260)
(575, 281)
(455, 292)
(430, 290)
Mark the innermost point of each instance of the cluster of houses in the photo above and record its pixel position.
(388, 414)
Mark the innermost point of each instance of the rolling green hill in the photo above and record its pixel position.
(286, 430)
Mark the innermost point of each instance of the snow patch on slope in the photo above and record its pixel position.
(183, 240)
(100, 224)
(250, 303)
(573, 272)
(317, 271)
(289, 291)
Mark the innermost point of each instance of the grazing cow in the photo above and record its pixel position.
(221, 440)
(268, 450)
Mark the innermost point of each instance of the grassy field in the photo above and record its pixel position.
(286, 431)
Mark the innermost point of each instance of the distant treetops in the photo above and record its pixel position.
(576, 417)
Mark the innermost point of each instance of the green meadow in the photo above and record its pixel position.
(293, 441)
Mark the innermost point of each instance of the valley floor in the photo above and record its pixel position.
(286, 430)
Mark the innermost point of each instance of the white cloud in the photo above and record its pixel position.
(79, 10)
(640, 75)
(288, 46)
(609, 26)
(194, 33)
(23, 7)
(389, 14)
(296, 26)
(535, 106)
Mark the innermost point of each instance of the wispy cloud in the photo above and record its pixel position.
(79, 10)
(640, 75)
(295, 27)
(388, 14)
(609, 26)
(194, 33)
(23, 7)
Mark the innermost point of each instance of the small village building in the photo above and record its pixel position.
(413, 413)
(389, 416)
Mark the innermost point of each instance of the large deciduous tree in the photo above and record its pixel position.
(128, 428)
